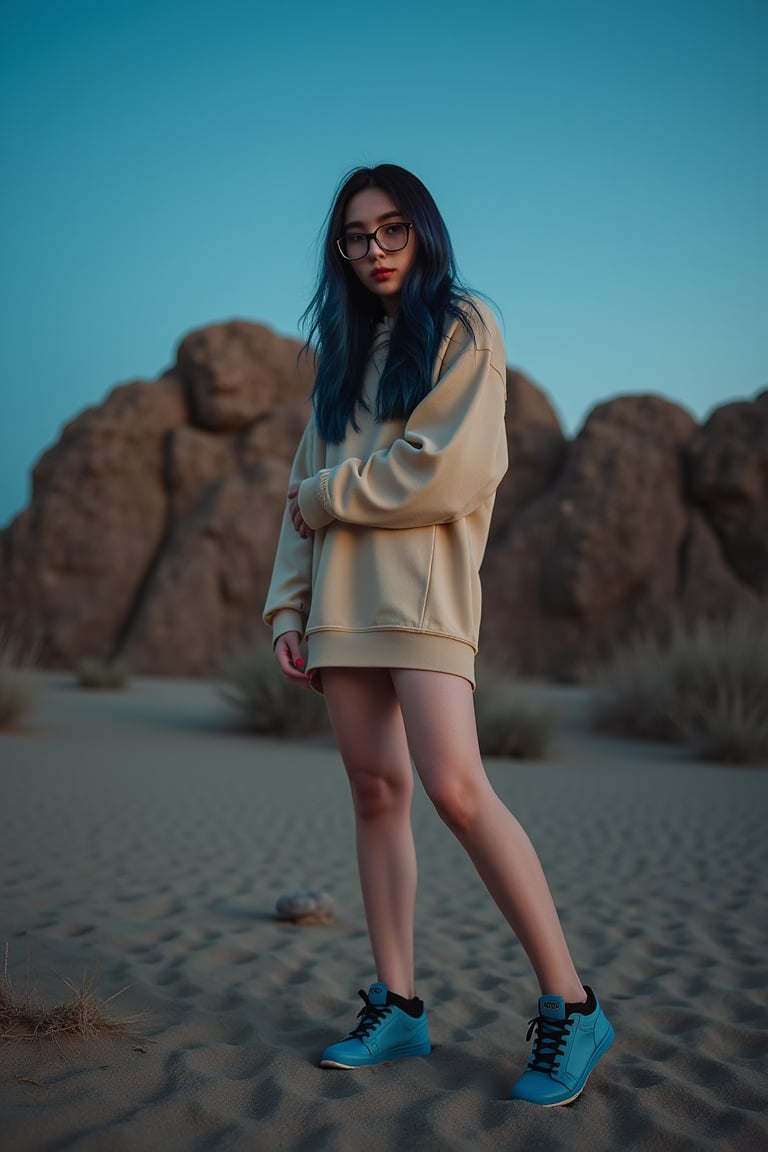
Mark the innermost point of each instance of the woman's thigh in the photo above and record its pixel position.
(368, 725)
(439, 716)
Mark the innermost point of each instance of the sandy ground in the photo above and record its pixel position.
(141, 838)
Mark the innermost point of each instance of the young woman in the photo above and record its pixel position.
(385, 526)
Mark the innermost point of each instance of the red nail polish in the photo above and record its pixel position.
(299, 663)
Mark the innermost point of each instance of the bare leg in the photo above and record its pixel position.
(440, 721)
(368, 726)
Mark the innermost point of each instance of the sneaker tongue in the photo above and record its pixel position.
(377, 994)
(552, 1007)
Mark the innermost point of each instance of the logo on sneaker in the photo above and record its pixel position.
(377, 990)
(551, 1004)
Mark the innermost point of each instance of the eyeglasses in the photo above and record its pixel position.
(389, 237)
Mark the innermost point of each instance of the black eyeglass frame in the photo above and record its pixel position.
(373, 236)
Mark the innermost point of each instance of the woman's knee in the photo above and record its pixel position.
(457, 802)
(375, 794)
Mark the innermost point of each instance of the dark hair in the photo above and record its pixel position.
(342, 313)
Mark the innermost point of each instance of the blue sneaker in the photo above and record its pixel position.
(566, 1048)
(385, 1032)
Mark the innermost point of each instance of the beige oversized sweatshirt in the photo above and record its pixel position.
(401, 512)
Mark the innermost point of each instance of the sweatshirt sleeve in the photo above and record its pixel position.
(290, 589)
(451, 455)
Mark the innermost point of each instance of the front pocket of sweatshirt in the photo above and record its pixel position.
(372, 578)
(454, 597)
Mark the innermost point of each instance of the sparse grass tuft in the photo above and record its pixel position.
(707, 686)
(111, 675)
(509, 724)
(26, 1016)
(252, 682)
(18, 693)
(632, 694)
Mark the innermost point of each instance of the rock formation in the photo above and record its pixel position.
(727, 462)
(613, 547)
(150, 535)
(73, 563)
(151, 531)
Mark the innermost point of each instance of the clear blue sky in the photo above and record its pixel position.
(602, 166)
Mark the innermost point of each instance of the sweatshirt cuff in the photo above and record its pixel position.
(286, 620)
(311, 505)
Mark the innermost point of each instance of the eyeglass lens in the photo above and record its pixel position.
(389, 237)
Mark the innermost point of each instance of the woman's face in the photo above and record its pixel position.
(382, 273)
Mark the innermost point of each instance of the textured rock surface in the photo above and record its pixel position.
(621, 514)
(206, 592)
(75, 560)
(153, 522)
(536, 449)
(613, 547)
(727, 463)
(151, 530)
(237, 372)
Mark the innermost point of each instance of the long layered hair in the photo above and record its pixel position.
(340, 318)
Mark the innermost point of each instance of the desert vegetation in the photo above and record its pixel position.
(705, 686)
(252, 683)
(17, 689)
(110, 675)
(509, 723)
(25, 1016)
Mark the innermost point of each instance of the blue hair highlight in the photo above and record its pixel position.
(342, 314)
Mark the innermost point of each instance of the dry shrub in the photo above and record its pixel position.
(111, 675)
(26, 1017)
(252, 682)
(707, 686)
(632, 694)
(18, 692)
(510, 724)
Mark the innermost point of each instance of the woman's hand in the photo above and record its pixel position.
(297, 519)
(288, 656)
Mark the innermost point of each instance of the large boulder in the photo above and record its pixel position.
(709, 589)
(610, 551)
(206, 593)
(127, 505)
(75, 559)
(620, 516)
(727, 463)
(537, 449)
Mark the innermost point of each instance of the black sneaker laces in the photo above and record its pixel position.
(549, 1045)
(370, 1016)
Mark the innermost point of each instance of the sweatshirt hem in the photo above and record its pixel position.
(390, 648)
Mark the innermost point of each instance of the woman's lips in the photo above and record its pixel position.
(383, 273)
